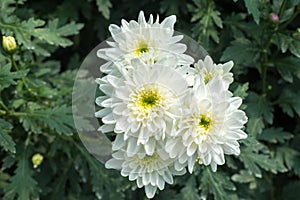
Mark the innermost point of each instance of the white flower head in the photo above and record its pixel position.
(210, 127)
(148, 40)
(208, 70)
(150, 172)
(143, 105)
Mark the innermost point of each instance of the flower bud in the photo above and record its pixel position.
(274, 18)
(37, 159)
(9, 44)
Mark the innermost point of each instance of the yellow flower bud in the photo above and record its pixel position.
(9, 44)
(37, 159)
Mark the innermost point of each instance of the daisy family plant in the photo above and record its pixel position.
(167, 111)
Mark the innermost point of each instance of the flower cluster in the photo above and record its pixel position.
(167, 111)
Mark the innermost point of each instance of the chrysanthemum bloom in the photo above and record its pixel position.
(151, 172)
(209, 70)
(210, 127)
(148, 40)
(143, 105)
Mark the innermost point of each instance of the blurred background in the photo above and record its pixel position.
(41, 155)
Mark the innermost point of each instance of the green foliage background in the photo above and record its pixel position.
(53, 38)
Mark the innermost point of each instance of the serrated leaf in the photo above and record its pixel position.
(242, 90)
(6, 140)
(253, 8)
(254, 159)
(275, 135)
(103, 7)
(255, 125)
(58, 119)
(7, 77)
(288, 100)
(295, 48)
(189, 191)
(288, 66)
(259, 106)
(22, 185)
(217, 182)
(240, 51)
(289, 157)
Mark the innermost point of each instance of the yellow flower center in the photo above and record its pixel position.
(208, 77)
(147, 160)
(204, 124)
(146, 98)
(142, 48)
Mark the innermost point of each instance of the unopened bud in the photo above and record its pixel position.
(37, 159)
(9, 44)
(274, 18)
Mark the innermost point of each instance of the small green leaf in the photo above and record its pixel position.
(241, 90)
(253, 8)
(8, 78)
(103, 7)
(240, 51)
(189, 191)
(6, 140)
(288, 100)
(57, 118)
(22, 185)
(259, 106)
(254, 159)
(218, 183)
(275, 135)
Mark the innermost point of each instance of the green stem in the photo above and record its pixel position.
(13, 62)
(4, 106)
(282, 7)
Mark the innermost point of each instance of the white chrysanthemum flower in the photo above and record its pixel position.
(208, 69)
(144, 104)
(150, 172)
(210, 127)
(149, 41)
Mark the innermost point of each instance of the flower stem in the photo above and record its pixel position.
(13, 62)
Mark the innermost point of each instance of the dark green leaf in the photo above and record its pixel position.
(275, 135)
(58, 119)
(217, 182)
(189, 191)
(22, 185)
(259, 106)
(103, 7)
(253, 8)
(7, 77)
(6, 140)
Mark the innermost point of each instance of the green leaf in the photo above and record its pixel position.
(58, 119)
(288, 100)
(189, 191)
(242, 90)
(217, 182)
(255, 125)
(275, 135)
(103, 7)
(253, 8)
(240, 51)
(22, 185)
(254, 158)
(259, 106)
(287, 67)
(245, 177)
(6, 140)
(8, 78)
(289, 157)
